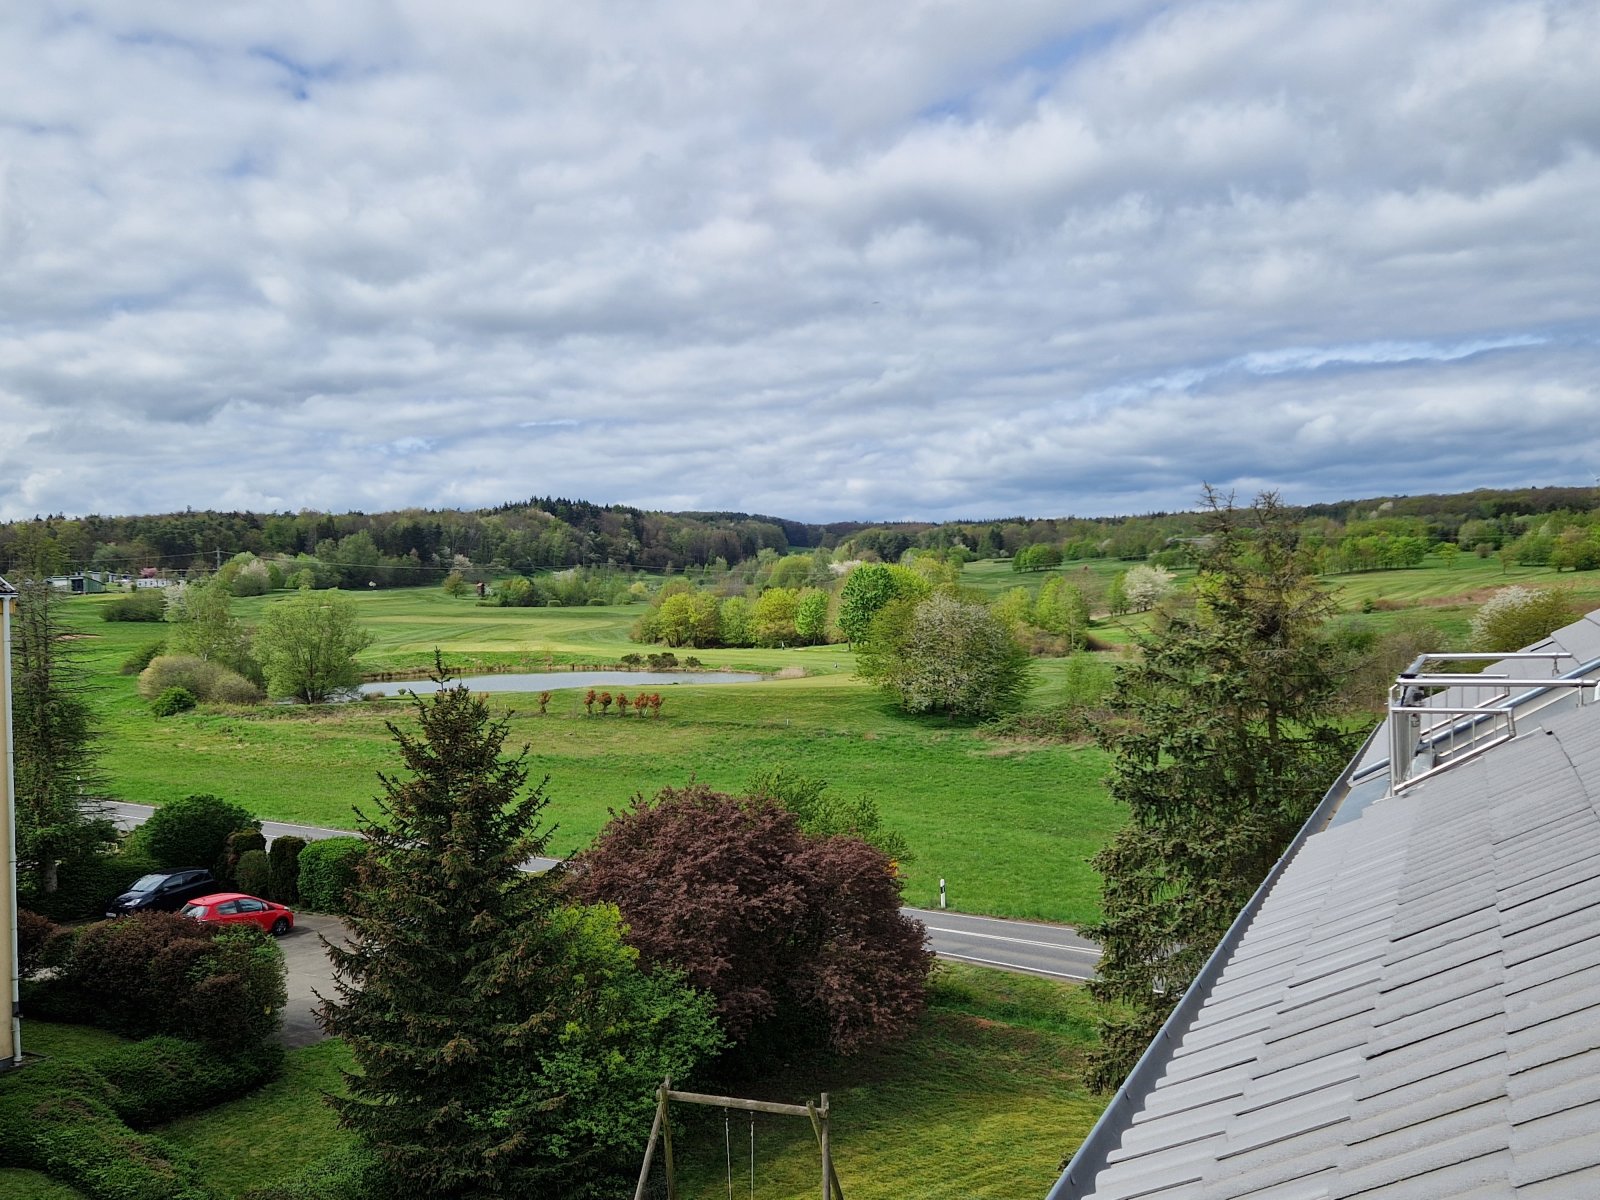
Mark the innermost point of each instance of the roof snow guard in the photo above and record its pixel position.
(1410, 1007)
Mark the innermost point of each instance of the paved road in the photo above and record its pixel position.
(1056, 951)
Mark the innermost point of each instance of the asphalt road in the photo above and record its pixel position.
(1055, 951)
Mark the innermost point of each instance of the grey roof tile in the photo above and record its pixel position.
(1414, 1011)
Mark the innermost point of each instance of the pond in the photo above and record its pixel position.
(556, 681)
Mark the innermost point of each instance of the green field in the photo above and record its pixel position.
(1009, 826)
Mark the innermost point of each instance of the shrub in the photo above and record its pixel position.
(254, 874)
(146, 605)
(173, 701)
(238, 843)
(800, 940)
(1518, 616)
(328, 871)
(193, 831)
(36, 936)
(63, 1124)
(161, 973)
(283, 876)
(84, 886)
(140, 659)
(209, 681)
(160, 1078)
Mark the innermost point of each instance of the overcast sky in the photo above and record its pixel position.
(923, 258)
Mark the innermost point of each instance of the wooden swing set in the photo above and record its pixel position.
(661, 1130)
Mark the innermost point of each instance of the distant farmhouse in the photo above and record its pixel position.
(1410, 1005)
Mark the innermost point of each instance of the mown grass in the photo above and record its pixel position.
(274, 1133)
(985, 1100)
(30, 1185)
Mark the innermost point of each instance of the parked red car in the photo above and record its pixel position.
(235, 908)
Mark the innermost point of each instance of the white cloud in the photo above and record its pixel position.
(823, 261)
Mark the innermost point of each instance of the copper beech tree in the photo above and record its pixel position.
(800, 940)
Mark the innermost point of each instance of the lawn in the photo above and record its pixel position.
(1009, 826)
(984, 1099)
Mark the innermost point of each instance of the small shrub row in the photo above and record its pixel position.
(64, 1123)
(140, 659)
(150, 973)
(71, 1121)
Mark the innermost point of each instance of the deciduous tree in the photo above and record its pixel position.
(945, 655)
(308, 646)
(801, 940)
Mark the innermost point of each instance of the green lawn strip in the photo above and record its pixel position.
(30, 1185)
(67, 1043)
(272, 1134)
(984, 1100)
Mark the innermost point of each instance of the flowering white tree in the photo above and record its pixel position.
(1145, 586)
(1519, 616)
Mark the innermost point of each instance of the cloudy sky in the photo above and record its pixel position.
(823, 259)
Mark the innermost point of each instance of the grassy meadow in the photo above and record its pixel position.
(1010, 826)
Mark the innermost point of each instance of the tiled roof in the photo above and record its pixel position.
(1413, 1010)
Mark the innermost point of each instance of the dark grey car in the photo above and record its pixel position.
(164, 891)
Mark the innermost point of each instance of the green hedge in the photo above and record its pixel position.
(86, 886)
(161, 1078)
(283, 884)
(193, 831)
(161, 973)
(253, 872)
(328, 871)
(61, 1119)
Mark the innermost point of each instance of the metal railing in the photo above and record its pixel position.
(1438, 718)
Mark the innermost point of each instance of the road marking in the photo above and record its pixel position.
(994, 962)
(996, 937)
(961, 916)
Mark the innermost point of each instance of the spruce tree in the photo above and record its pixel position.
(506, 1046)
(1223, 737)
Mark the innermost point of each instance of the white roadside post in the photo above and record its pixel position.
(941, 891)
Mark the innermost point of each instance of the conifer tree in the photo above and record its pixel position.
(59, 784)
(1223, 740)
(506, 1046)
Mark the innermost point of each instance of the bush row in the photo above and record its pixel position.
(72, 1122)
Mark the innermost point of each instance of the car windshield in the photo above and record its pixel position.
(147, 883)
(194, 910)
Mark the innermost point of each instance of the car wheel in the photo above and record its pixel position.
(280, 927)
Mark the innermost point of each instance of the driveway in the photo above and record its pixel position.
(309, 972)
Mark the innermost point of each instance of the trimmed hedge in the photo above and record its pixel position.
(328, 869)
(37, 937)
(253, 872)
(193, 831)
(237, 844)
(85, 886)
(283, 882)
(63, 1122)
(161, 973)
(161, 1078)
